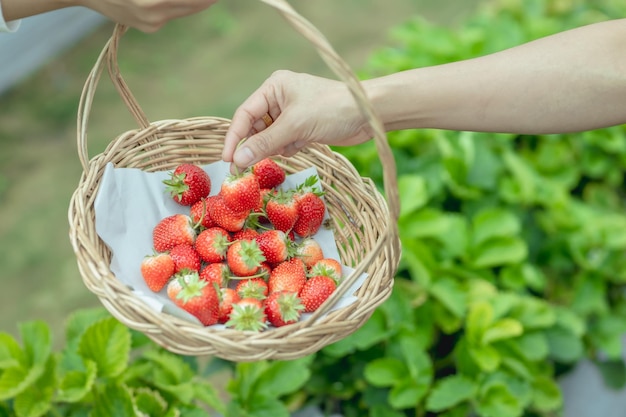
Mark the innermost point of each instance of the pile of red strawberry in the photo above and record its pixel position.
(247, 256)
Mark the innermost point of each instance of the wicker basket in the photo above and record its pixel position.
(364, 222)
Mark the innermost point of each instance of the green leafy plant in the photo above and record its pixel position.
(105, 369)
(513, 250)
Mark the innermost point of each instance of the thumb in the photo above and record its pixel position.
(270, 141)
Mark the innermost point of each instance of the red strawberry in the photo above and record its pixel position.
(185, 257)
(247, 233)
(315, 291)
(188, 183)
(216, 273)
(269, 173)
(199, 213)
(173, 230)
(197, 297)
(248, 314)
(275, 246)
(157, 269)
(224, 216)
(289, 275)
(244, 257)
(241, 192)
(228, 296)
(252, 288)
(310, 251)
(327, 266)
(311, 210)
(281, 210)
(282, 308)
(212, 244)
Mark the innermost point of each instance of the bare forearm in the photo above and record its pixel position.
(19, 9)
(572, 81)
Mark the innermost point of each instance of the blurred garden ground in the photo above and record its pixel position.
(201, 65)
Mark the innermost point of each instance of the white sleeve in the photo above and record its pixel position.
(8, 26)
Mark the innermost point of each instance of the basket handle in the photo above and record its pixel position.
(305, 28)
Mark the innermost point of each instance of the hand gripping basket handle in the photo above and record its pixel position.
(108, 56)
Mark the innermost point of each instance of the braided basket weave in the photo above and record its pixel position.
(364, 222)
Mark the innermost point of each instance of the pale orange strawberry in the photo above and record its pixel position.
(269, 173)
(244, 258)
(315, 291)
(241, 192)
(310, 251)
(188, 183)
(173, 230)
(248, 314)
(252, 288)
(289, 275)
(327, 266)
(282, 308)
(212, 244)
(157, 269)
(185, 257)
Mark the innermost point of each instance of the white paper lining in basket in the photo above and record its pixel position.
(130, 202)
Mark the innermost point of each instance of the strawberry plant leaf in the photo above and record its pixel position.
(502, 329)
(498, 401)
(207, 393)
(547, 395)
(486, 357)
(36, 399)
(413, 194)
(107, 343)
(113, 400)
(149, 402)
(449, 392)
(385, 372)
(479, 319)
(36, 341)
(170, 369)
(282, 378)
(533, 346)
(492, 223)
(11, 354)
(564, 346)
(498, 252)
(451, 294)
(16, 379)
(74, 385)
(407, 394)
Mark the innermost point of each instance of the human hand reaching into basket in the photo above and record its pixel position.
(145, 15)
(567, 82)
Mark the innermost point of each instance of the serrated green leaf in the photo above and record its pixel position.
(36, 342)
(74, 385)
(149, 402)
(206, 392)
(36, 399)
(486, 357)
(107, 343)
(263, 407)
(502, 329)
(547, 395)
(11, 354)
(169, 368)
(417, 360)
(407, 394)
(385, 372)
(413, 193)
(498, 252)
(113, 400)
(14, 381)
(449, 392)
(451, 294)
(80, 320)
(492, 223)
(479, 319)
(498, 401)
(282, 378)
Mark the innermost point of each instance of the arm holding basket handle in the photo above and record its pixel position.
(145, 15)
(571, 81)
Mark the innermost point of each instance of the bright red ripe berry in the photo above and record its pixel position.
(171, 231)
(241, 192)
(188, 183)
(269, 173)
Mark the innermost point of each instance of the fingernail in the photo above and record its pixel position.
(243, 157)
